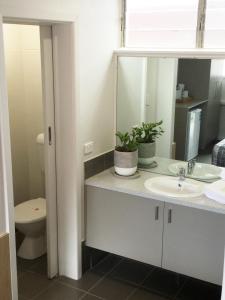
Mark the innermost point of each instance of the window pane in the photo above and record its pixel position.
(215, 24)
(161, 23)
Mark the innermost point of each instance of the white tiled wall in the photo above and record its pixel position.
(23, 67)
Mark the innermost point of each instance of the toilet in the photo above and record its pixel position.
(221, 134)
(30, 218)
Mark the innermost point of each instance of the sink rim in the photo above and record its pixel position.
(148, 182)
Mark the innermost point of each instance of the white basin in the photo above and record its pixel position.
(172, 187)
(201, 171)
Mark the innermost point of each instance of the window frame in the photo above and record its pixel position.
(200, 28)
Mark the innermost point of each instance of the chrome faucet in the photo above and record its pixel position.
(191, 166)
(182, 174)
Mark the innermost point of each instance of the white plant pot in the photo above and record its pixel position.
(125, 163)
(146, 153)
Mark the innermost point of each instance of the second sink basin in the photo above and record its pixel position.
(201, 171)
(171, 187)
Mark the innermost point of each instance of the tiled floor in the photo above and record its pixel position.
(114, 278)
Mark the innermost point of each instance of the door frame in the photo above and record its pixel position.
(68, 151)
(48, 101)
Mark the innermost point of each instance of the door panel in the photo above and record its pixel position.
(194, 242)
(5, 278)
(7, 223)
(124, 224)
(50, 159)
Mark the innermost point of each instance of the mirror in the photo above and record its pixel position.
(188, 96)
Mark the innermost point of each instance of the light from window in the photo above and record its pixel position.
(215, 24)
(161, 23)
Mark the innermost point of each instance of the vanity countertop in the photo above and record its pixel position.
(191, 104)
(106, 180)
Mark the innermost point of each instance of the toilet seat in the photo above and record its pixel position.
(30, 211)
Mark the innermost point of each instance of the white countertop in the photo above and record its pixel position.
(107, 180)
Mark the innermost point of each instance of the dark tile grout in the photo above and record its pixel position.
(140, 285)
(136, 286)
(87, 292)
(90, 294)
(181, 288)
(44, 290)
(104, 276)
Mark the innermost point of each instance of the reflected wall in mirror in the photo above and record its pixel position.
(188, 95)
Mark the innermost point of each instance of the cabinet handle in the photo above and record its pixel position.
(170, 216)
(156, 213)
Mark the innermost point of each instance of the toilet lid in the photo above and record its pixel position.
(30, 211)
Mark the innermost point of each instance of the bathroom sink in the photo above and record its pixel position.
(201, 171)
(172, 187)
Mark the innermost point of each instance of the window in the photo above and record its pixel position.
(161, 23)
(215, 24)
(175, 23)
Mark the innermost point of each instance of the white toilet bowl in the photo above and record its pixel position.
(30, 219)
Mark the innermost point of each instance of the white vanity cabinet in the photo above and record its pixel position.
(186, 240)
(193, 242)
(125, 225)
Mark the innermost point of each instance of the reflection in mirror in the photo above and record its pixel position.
(189, 96)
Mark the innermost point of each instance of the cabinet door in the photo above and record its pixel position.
(193, 242)
(123, 224)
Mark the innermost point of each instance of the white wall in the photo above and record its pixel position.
(23, 68)
(165, 108)
(131, 92)
(98, 37)
(98, 24)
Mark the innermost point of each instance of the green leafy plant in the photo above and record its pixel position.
(128, 141)
(148, 132)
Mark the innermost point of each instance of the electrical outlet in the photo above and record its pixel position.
(88, 147)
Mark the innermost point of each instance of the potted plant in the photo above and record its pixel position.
(126, 154)
(146, 136)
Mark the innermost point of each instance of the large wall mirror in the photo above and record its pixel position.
(188, 95)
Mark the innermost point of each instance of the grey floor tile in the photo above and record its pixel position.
(112, 289)
(85, 283)
(91, 277)
(90, 297)
(131, 271)
(199, 290)
(24, 264)
(142, 294)
(40, 266)
(164, 282)
(30, 284)
(58, 291)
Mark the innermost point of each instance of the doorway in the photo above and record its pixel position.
(28, 59)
